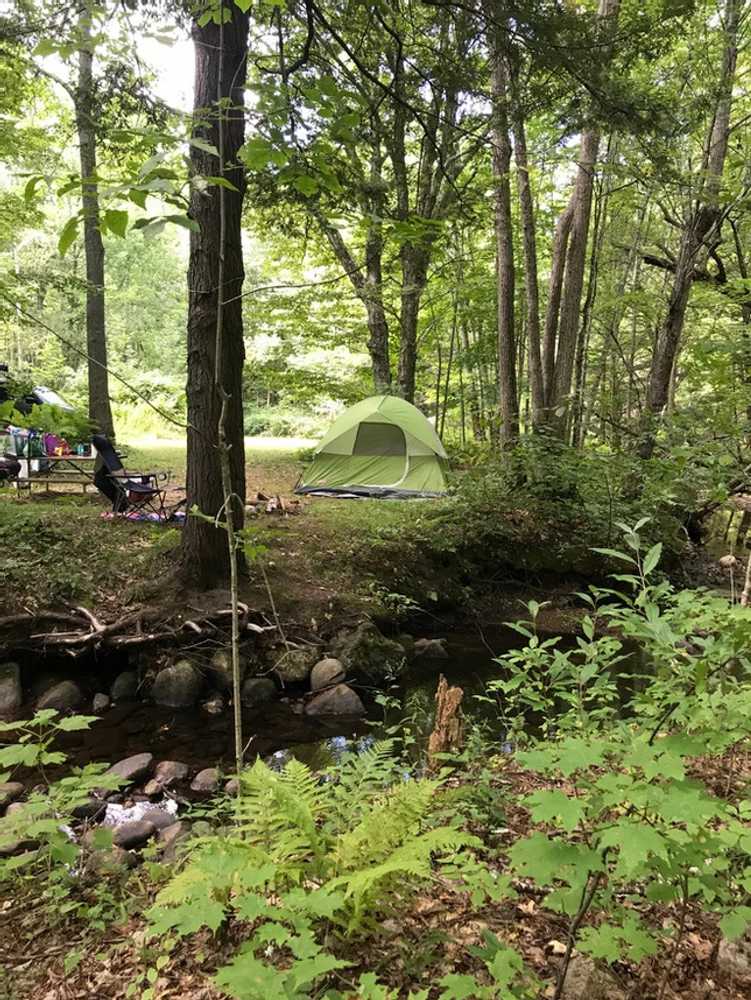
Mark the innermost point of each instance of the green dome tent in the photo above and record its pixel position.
(382, 446)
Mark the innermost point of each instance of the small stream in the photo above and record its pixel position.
(280, 730)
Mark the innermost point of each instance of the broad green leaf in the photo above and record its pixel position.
(306, 185)
(205, 147)
(46, 47)
(183, 220)
(635, 844)
(733, 925)
(459, 987)
(76, 723)
(256, 153)
(30, 188)
(68, 234)
(116, 220)
(547, 805)
(614, 554)
(652, 558)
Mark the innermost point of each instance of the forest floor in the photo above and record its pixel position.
(435, 932)
(331, 561)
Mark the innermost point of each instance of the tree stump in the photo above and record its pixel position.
(448, 729)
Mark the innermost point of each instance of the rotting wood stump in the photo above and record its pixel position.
(448, 729)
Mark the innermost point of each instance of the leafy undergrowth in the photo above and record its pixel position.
(437, 938)
(619, 830)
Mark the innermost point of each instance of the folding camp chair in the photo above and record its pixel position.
(128, 491)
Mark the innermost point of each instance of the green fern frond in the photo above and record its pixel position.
(279, 812)
(359, 777)
(394, 817)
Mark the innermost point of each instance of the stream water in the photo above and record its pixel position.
(279, 730)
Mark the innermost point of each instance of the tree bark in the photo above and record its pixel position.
(501, 162)
(567, 269)
(368, 287)
(100, 412)
(531, 288)
(204, 550)
(699, 228)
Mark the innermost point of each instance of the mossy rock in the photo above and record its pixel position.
(368, 655)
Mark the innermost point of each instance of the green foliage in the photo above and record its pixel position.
(310, 861)
(49, 857)
(631, 819)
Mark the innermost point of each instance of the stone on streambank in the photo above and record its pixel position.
(337, 700)
(293, 666)
(432, 649)
(214, 705)
(110, 860)
(166, 773)
(125, 686)
(100, 703)
(178, 686)
(133, 834)
(584, 978)
(206, 781)
(219, 669)
(171, 837)
(11, 693)
(62, 696)
(9, 792)
(133, 768)
(325, 673)
(257, 691)
(734, 957)
(367, 654)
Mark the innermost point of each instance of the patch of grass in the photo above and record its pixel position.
(54, 552)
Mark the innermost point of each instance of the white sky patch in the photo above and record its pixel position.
(173, 66)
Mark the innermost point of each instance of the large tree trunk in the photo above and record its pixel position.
(204, 549)
(100, 412)
(504, 244)
(700, 228)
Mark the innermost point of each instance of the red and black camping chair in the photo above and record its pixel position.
(130, 492)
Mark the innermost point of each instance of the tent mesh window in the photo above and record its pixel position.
(379, 439)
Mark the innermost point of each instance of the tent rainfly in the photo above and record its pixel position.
(380, 447)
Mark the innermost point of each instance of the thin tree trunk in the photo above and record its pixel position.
(557, 268)
(369, 290)
(582, 347)
(697, 231)
(567, 269)
(100, 412)
(474, 385)
(204, 554)
(414, 276)
(501, 162)
(573, 283)
(531, 288)
(449, 364)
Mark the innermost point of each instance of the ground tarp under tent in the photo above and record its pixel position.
(382, 446)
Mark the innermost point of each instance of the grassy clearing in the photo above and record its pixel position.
(58, 549)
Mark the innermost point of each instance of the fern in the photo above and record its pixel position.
(358, 778)
(393, 817)
(279, 812)
(307, 857)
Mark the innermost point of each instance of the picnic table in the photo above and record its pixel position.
(59, 470)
